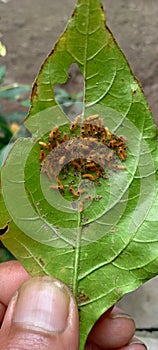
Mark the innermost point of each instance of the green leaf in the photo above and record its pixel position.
(14, 91)
(3, 153)
(5, 132)
(2, 73)
(15, 117)
(109, 246)
(5, 254)
(25, 103)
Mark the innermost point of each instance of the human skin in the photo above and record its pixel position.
(41, 314)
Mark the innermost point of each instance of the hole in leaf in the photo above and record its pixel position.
(4, 229)
(70, 95)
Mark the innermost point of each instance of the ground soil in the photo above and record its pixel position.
(29, 28)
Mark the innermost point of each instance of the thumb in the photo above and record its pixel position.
(41, 315)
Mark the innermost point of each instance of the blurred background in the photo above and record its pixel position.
(29, 29)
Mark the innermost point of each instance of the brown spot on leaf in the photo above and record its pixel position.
(134, 91)
(34, 90)
(74, 12)
(41, 262)
(83, 297)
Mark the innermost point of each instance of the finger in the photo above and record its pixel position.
(12, 275)
(113, 330)
(42, 315)
(2, 311)
(135, 344)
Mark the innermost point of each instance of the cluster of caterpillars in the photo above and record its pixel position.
(93, 126)
(89, 148)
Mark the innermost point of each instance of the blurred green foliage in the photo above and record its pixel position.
(11, 127)
(11, 124)
(67, 100)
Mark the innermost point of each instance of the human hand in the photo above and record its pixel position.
(43, 315)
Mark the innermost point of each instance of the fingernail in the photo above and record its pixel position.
(121, 315)
(43, 303)
(136, 341)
